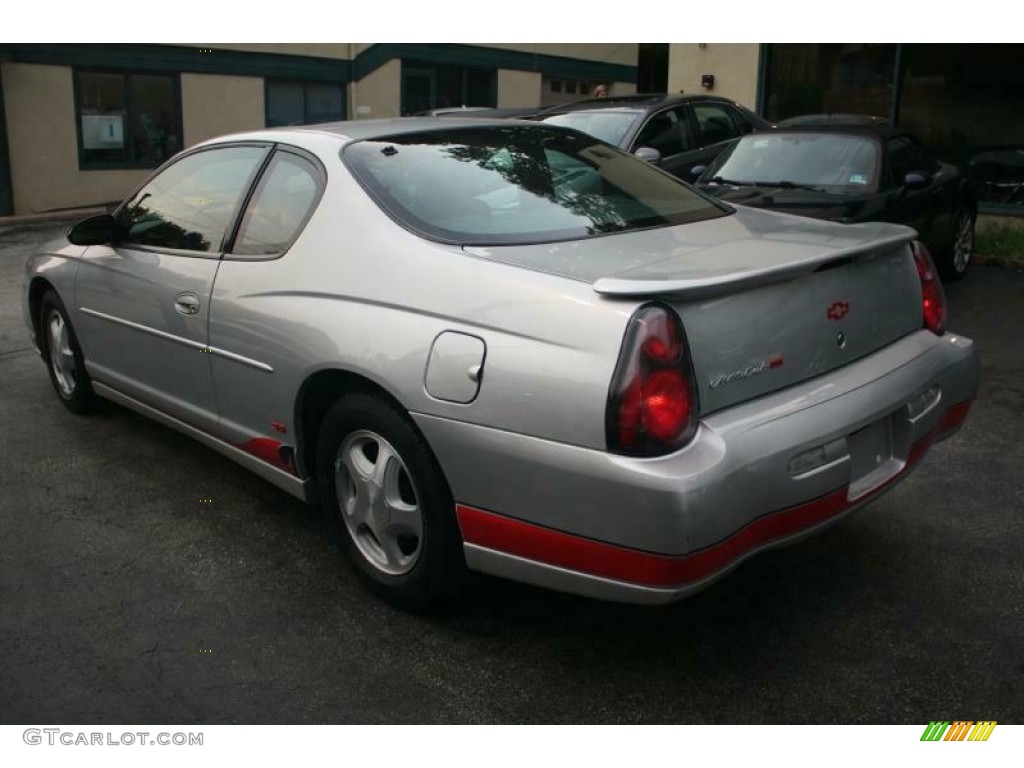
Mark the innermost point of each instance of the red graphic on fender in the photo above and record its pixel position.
(838, 310)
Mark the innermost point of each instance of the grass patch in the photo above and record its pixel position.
(1000, 236)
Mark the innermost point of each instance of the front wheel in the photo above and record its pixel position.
(954, 261)
(63, 357)
(386, 499)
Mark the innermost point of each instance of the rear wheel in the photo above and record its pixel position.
(954, 260)
(387, 501)
(63, 357)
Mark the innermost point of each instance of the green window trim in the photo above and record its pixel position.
(379, 54)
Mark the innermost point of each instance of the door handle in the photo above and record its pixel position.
(186, 303)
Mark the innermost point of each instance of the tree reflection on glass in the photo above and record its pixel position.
(145, 226)
(519, 184)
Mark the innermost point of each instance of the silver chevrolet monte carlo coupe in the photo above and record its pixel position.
(507, 347)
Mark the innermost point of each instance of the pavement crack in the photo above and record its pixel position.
(15, 353)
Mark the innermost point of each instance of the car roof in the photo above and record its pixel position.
(644, 101)
(359, 130)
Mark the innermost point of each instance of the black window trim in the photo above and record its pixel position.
(218, 254)
(92, 165)
(320, 176)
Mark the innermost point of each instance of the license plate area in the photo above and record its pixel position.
(871, 457)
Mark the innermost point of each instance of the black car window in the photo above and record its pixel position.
(667, 131)
(906, 157)
(283, 200)
(713, 124)
(742, 121)
(509, 185)
(189, 205)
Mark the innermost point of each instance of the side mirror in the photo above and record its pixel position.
(96, 230)
(648, 154)
(697, 171)
(917, 180)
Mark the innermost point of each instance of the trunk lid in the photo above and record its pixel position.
(767, 300)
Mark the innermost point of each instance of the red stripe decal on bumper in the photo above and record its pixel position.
(575, 553)
(954, 416)
(270, 451)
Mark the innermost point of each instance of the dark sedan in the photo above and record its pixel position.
(677, 133)
(853, 173)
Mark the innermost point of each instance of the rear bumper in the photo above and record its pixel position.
(655, 530)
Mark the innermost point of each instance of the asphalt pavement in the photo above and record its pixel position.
(146, 579)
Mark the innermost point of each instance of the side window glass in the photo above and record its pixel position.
(713, 124)
(190, 204)
(742, 122)
(906, 157)
(280, 206)
(662, 132)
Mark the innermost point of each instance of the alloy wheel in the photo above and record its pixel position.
(964, 242)
(62, 359)
(378, 502)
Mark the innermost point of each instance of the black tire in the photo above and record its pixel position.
(434, 571)
(951, 261)
(70, 380)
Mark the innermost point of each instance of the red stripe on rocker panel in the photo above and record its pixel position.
(535, 542)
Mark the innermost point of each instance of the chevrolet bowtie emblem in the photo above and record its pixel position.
(838, 310)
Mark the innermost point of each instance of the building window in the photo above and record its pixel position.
(291, 102)
(127, 120)
(427, 86)
(557, 90)
(816, 78)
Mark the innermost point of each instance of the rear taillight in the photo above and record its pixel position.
(933, 298)
(652, 403)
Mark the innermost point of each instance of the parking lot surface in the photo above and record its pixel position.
(146, 579)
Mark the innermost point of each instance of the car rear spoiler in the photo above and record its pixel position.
(707, 284)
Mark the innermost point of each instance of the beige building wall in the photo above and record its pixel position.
(43, 144)
(212, 105)
(518, 89)
(379, 94)
(734, 66)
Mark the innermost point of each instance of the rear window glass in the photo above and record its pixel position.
(605, 124)
(519, 184)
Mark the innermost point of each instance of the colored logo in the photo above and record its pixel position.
(838, 310)
(960, 730)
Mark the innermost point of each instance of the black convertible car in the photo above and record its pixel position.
(852, 173)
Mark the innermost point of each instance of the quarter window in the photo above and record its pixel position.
(189, 205)
(127, 119)
(283, 201)
(713, 124)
